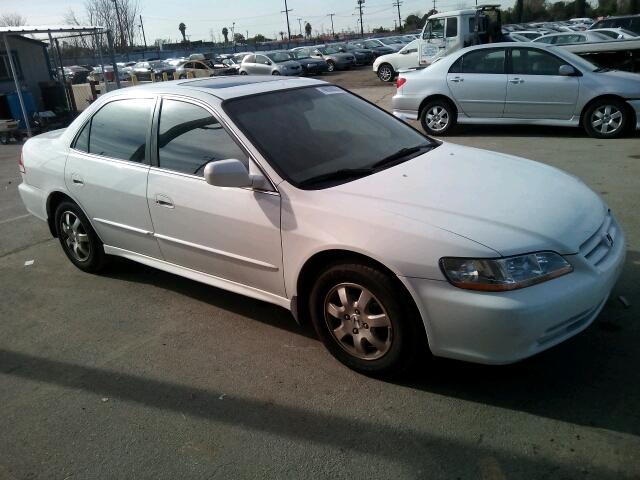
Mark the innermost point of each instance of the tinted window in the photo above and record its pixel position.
(314, 131)
(189, 138)
(452, 27)
(82, 142)
(119, 129)
(526, 61)
(483, 61)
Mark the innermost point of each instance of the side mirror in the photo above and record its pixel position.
(567, 71)
(404, 52)
(232, 173)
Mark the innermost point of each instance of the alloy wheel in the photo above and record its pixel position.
(75, 236)
(385, 73)
(330, 66)
(606, 119)
(437, 118)
(358, 321)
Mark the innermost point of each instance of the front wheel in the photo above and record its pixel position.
(275, 72)
(243, 73)
(331, 66)
(386, 72)
(78, 239)
(438, 117)
(606, 118)
(360, 316)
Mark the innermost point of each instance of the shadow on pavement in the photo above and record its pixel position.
(525, 131)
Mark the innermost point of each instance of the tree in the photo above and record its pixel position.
(238, 38)
(183, 28)
(12, 20)
(380, 30)
(282, 36)
(307, 29)
(415, 21)
(259, 38)
(225, 34)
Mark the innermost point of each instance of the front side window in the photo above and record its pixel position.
(435, 29)
(119, 129)
(189, 137)
(410, 47)
(525, 61)
(452, 27)
(312, 132)
(262, 59)
(483, 61)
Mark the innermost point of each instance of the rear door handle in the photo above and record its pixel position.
(164, 201)
(457, 79)
(516, 80)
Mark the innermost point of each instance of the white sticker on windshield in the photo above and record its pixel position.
(330, 90)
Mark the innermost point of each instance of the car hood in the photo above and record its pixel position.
(508, 204)
(619, 75)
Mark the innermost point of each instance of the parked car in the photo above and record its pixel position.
(378, 48)
(336, 59)
(391, 42)
(204, 68)
(513, 83)
(515, 37)
(231, 63)
(570, 38)
(628, 22)
(270, 63)
(309, 64)
(616, 33)
(97, 75)
(362, 55)
(388, 66)
(392, 243)
(530, 34)
(147, 70)
(76, 74)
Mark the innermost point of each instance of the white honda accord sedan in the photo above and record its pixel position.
(298, 193)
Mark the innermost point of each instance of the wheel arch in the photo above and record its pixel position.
(54, 199)
(610, 96)
(437, 96)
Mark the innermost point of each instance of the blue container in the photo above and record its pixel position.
(14, 106)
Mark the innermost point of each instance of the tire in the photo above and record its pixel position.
(243, 73)
(331, 66)
(386, 73)
(438, 117)
(388, 348)
(606, 118)
(275, 72)
(78, 240)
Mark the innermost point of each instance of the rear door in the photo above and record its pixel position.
(200, 70)
(535, 89)
(106, 173)
(478, 82)
(230, 233)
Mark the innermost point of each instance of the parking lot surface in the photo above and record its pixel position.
(138, 373)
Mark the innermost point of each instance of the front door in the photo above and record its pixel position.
(535, 89)
(106, 172)
(263, 65)
(230, 233)
(478, 82)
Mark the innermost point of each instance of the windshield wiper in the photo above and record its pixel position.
(341, 174)
(401, 154)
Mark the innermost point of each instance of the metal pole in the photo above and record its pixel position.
(66, 93)
(143, 35)
(333, 32)
(360, 2)
(17, 83)
(397, 4)
(286, 12)
(113, 59)
(58, 61)
(99, 45)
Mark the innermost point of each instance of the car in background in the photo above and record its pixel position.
(571, 38)
(530, 34)
(378, 48)
(146, 71)
(628, 22)
(230, 62)
(616, 33)
(362, 55)
(515, 37)
(97, 75)
(204, 68)
(76, 74)
(174, 62)
(270, 63)
(394, 246)
(388, 42)
(388, 66)
(514, 83)
(309, 64)
(336, 60)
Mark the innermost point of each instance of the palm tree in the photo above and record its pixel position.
(182, 27)
(282, 36)
(225, 34)
(307, 29)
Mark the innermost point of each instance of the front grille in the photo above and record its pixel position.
(597, 247)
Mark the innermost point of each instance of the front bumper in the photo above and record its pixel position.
(635, 104)
(501, 328)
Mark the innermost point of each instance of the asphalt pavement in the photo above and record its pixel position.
(137, 373)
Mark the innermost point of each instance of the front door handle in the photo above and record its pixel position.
(164, 201)
(516, 80)
(457, 79)
(77, 179)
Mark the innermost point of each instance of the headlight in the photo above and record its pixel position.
(310, 65)
(501, 274)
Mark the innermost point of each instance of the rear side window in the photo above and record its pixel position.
(482, 61)
(119, 130)
(82, 141)
(189, 137)
(546, 39)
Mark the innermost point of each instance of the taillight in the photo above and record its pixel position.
(400, 81)
(21, 164)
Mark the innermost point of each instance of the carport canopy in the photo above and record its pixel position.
(49, 30)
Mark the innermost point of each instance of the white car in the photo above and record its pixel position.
(296, 192)
(616, 33)
(388, 66)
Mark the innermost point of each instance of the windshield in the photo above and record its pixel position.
(317, 131)
(279, 57)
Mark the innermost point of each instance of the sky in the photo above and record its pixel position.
(205, 18)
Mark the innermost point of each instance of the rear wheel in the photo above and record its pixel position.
(275, 72)
(606, 118)
(361, 318)
(438, 117)
(386, 72)
(78, 239)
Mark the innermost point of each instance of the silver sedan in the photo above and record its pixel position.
(514, 83)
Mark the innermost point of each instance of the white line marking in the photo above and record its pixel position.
(15, 218)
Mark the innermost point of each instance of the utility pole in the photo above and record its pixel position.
(300, 24)
(360, 2)
(333, 32)
(397, 3)
(286, 12)
(144, 38)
